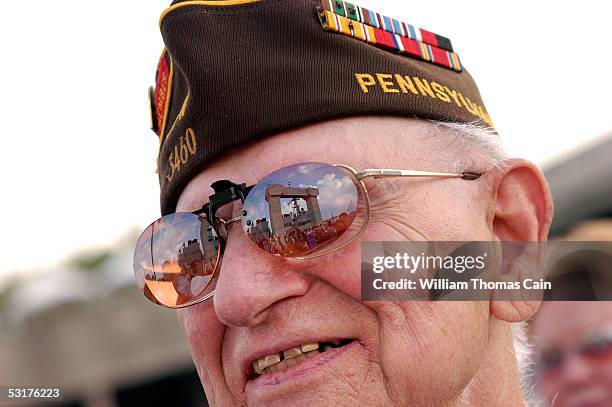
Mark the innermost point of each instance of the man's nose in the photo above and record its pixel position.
(250, 281)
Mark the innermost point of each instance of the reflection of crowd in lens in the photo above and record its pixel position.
(299, 241)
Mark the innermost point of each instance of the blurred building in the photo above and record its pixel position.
(86, 328)
(581, 186)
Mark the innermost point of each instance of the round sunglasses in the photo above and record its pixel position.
(302, 211)
(596, 347)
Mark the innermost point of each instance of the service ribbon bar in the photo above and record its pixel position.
(365, 16)
(388, 33)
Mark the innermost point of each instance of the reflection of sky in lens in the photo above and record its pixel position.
(337, 191)
(168, 237)
(168, 241)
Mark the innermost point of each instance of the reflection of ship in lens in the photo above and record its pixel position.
(179, 272)
(197, 261)
(190, 258)
(300, 230)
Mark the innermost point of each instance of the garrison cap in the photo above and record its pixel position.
(234, 71)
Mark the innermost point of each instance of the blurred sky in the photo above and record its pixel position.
(78, 160)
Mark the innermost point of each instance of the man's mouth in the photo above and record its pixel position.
(282, 361)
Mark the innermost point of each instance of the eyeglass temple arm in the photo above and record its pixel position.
(388, 173)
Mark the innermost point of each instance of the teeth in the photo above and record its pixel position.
(273, 363)
(279, 362)
(291, 353)
(278, 367)
(300, 358)
(309, 347)
(261, 365)
(270, 360)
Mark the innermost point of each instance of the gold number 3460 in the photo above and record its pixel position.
(183, 150)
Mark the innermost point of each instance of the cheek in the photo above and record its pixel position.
(606, 370)
(204, 334)
(443, 341)
(430, 214)
(341, 270)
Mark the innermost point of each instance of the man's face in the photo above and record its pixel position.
(398, 352)
(583, 378)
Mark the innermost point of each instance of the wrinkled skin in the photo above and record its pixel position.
(405, 353)
(580, 381)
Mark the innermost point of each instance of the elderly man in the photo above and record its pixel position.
(275, 118)
(573, 352)
(573, 339)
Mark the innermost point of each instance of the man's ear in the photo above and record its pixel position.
(522, 207)
(521, 210)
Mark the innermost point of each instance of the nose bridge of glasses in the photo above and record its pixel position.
(230, 222)
(225, 193)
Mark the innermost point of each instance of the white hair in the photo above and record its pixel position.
(524, 351)
(477, 147)
(474, 146)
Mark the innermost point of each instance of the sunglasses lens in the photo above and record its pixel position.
(175, 259)
(305, 210)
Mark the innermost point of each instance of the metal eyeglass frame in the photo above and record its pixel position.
(227, 191)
